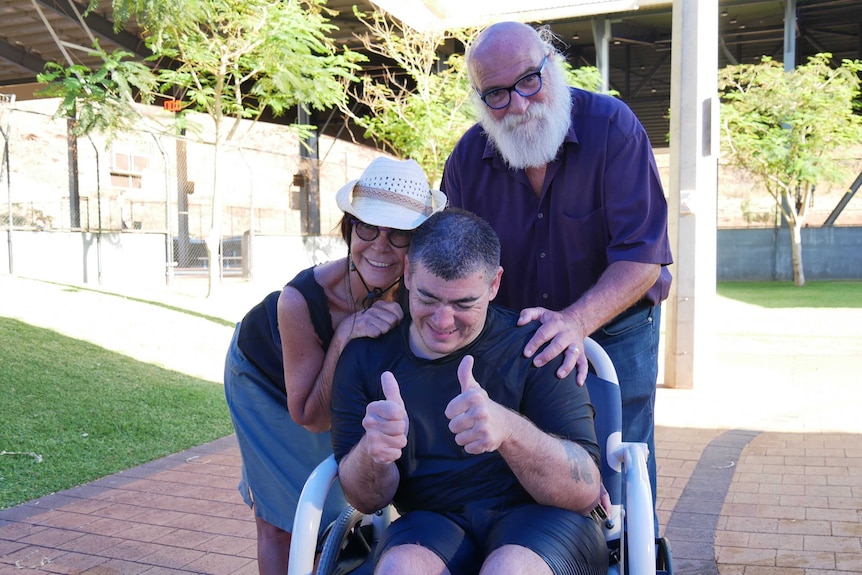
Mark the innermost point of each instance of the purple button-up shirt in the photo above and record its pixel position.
(602, 201)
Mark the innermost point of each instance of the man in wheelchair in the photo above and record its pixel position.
(490, 461)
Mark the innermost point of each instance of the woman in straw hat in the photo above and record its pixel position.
(279, 367)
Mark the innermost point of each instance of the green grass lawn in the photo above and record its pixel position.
(72, 412)
(819, 294)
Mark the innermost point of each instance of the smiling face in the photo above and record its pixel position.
(529, 131)
(447, 315)
(379, 262)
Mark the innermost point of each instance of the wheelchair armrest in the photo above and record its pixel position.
(639, 534)
(306, 522)
(600, 360)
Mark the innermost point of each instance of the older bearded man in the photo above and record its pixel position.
(567, 178)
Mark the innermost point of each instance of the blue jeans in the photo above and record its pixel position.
(631, 340)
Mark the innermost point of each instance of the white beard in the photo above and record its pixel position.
(533, 139)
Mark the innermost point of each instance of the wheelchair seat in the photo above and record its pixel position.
(633, 546)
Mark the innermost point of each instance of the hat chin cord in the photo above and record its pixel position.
(371, 294)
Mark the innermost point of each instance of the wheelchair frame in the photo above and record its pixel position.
(628, 527)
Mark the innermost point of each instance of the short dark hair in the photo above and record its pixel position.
(454, 244)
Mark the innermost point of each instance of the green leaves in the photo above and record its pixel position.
(784, 126)
(417, 105)
(100, 99)
(237, 57)
(225, 58)
(786, 129)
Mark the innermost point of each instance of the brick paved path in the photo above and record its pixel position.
(732, 503)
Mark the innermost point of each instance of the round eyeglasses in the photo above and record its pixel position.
(526, 86)
(369, 233)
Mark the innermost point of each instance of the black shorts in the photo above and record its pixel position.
(567, 541)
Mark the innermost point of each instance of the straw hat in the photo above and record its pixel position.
(391, 193)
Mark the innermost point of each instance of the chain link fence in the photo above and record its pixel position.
(182, 187)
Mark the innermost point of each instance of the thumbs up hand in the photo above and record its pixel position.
(477, 422)
(391, 390)
(386, 423)
(465, 375)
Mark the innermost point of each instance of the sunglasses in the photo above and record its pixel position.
(369, 233)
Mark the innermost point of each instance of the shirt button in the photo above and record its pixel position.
(541, 215)
(542, 255)
(544, 296)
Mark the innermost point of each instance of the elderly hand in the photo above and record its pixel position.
(373, 322)
(565, 334)
(386, 423)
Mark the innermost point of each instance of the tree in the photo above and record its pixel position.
(418, 107)
(100, 100)
(785, 127)
(237, 58)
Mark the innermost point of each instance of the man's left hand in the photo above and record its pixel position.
(565, 336)
(473, 417)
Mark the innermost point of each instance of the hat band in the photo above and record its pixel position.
(360, 191)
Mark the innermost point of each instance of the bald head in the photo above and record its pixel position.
(504, 43)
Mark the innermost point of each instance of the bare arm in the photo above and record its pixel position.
(368, 474)
(308, 369)
(367, 486)
(620, 286)
(553, 470)
(563, 476)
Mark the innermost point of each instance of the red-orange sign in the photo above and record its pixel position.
(173, 105)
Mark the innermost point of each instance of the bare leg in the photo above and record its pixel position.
(413, 559)
(273, 548)
(516, 560)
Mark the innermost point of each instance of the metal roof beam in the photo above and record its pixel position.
(646, 80)
(101, 26)
(27, 61)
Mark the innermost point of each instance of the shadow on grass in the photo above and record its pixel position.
(837, 294)
(214, 319)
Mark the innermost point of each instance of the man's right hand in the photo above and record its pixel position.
(565, 334)
(386, 423)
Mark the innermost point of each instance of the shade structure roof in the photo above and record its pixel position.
(33, 32)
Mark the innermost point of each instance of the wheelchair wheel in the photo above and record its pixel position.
(664, 563)
(617, 552)
(344, 547)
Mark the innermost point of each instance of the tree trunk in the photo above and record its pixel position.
(213, 239)
(796, 251)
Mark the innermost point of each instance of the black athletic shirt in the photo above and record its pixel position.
(258, 336)
(436, 473)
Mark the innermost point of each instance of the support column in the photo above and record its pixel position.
(601, 39)
(790, 35)
(694, 143)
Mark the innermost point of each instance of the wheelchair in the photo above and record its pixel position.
(633, 547)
